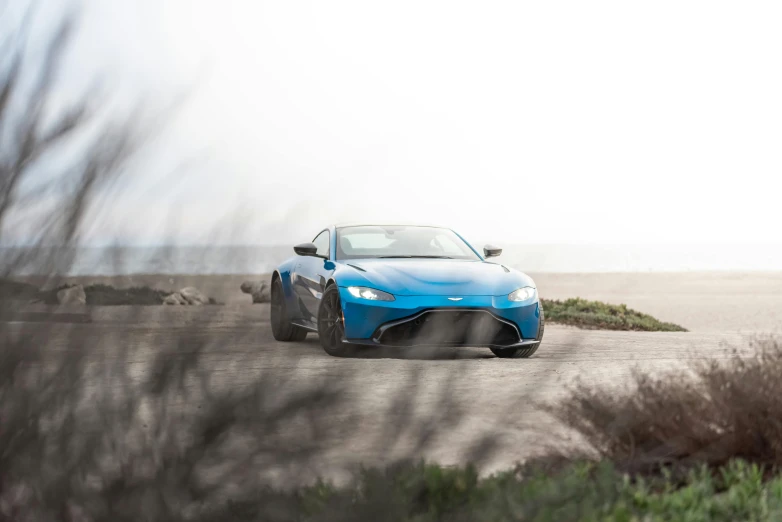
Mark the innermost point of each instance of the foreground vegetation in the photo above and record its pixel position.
(602, 316)
(581, 491)
(703, 444)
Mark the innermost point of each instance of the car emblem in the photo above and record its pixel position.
(455, 298)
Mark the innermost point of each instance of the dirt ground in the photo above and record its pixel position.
(487, 395)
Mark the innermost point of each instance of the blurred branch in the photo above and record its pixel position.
(56, 162)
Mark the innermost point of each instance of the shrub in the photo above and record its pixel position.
(595, 314)
(711, 414)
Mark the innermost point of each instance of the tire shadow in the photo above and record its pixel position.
(419, 353)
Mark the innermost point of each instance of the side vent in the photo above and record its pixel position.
(505, 268)
(356, 267)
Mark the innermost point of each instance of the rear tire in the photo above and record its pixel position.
(331, 326)
(282, 328)
(523, 353)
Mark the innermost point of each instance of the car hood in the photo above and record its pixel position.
(434, 277)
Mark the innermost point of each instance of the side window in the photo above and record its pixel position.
(322, 242)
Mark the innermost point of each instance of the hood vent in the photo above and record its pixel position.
(356, 267)
(505, 268)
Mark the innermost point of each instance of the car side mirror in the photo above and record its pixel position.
(491, 251)
(306, 249)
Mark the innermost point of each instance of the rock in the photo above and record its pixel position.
(248, 286)
(259, 290)
(187, 297)
(263, 295)
(193, 296)
(72, 295)
(175, 299)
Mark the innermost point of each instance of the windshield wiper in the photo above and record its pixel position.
(415, 257)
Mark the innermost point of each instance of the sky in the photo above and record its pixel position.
(562, 122)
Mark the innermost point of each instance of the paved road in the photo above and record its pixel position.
(436, 404)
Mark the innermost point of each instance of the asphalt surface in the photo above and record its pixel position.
(445, 405)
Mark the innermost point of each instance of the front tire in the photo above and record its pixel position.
(282, 328)
(331, 326)
(523, 353)
(515, 353)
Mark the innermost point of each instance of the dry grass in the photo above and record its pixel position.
(714, 413)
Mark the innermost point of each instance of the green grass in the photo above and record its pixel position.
(602, 316)
(581, 491)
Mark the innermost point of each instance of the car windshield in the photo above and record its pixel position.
(401, 242)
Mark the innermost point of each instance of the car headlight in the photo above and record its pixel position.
(363, 292)
(522, 294)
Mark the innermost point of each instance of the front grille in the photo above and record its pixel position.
(449, 327)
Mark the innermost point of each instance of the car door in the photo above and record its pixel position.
(311, 274)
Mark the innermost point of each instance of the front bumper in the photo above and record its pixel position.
(492, 321)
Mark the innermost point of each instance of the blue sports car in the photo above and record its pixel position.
(404, 286)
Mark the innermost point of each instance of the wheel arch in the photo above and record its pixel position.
(284, 280)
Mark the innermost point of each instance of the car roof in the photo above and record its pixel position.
(363, 224)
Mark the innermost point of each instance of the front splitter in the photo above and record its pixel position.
(370, 342)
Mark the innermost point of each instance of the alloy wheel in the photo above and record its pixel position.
(331, 326)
